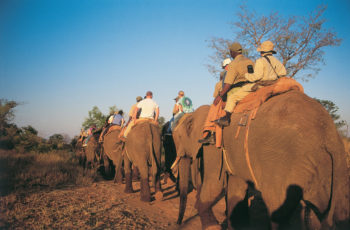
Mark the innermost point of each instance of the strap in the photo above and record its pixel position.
(268, 60)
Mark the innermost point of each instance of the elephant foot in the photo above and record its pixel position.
(145, 191)
(213, 227)
(128, 184)
(208, 220)
(158, 196)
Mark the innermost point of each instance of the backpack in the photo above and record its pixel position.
(186, 104)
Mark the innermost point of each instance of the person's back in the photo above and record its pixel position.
(186, 104)
(148, 108)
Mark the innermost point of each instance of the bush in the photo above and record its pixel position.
(28, 171)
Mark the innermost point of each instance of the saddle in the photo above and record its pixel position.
(255, 99)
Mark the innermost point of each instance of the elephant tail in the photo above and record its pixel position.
(184, 175)
(154, 162)
(310, 206)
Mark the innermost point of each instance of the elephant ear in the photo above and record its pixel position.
(189, 126)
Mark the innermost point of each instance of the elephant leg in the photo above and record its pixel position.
(135, 174)
(118, 176)
(211, 190)
(128, 176)
(157, 185)
(145, 188)
(107, 166)
(237, 209)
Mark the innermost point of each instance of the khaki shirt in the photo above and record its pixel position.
(131, 112)
(237, 69)
(263, 70)
(218, 88)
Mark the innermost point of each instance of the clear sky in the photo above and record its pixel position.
(62, 57)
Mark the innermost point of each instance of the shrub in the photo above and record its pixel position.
(28, 171)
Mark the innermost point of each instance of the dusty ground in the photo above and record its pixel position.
(102, 205)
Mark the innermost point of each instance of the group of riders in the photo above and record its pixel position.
(239, 77)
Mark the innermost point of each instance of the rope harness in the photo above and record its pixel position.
(244, 121)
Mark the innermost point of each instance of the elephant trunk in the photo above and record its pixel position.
(184, 174)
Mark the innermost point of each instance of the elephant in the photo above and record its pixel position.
(80, 152)
(201, 164)
(291, 153)
(143, 148)
(92, 150)
(170, 152)
(114, 151)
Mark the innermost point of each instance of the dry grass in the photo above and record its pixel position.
(32, 171)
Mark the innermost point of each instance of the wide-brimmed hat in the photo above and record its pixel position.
(236, 47)
(266, 46)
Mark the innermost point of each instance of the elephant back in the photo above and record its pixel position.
(189, 131)
(112, 144)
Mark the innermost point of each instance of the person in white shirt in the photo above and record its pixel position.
(149, 108)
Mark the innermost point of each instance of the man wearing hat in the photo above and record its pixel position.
(234, 83)
(219, 84)
(128, 126)
(267, 67)
(211, 129)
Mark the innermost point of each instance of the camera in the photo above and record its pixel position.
(250, 69)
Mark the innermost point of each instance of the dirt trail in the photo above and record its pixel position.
(102, 205)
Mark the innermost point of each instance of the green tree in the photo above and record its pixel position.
(95, 117)
(6, 112)
(161, 121)
(56, 141)
(332, 110)
(299, 41)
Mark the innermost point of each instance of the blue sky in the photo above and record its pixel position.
(62, 57)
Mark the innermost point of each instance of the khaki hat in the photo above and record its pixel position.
(236, 47)
(266, 46)
(138, 98)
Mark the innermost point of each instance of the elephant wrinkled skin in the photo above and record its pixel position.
(114, 150)
(297, 159)
(143, 148)
(204, 171)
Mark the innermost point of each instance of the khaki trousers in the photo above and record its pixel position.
(237, 94)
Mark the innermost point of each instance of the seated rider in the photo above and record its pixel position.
(209, 126)
(130, 122)
(90, 131)
(148, 107)
(183, 105)
(267, 68)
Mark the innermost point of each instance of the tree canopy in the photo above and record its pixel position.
(333, 111)
(299, 40)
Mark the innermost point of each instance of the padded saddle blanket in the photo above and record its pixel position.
(255, 99)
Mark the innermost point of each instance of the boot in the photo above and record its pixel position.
(209, 139)
(224, 121)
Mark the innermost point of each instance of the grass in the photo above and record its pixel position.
(31, 171)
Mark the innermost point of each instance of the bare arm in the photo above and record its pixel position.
(157, 114)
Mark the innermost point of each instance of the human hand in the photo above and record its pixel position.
(217, 100)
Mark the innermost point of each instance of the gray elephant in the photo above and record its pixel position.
(143, 148)
(114, 151)
(92, 151)
(199, 164)
(170, 153)
(292, 155)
